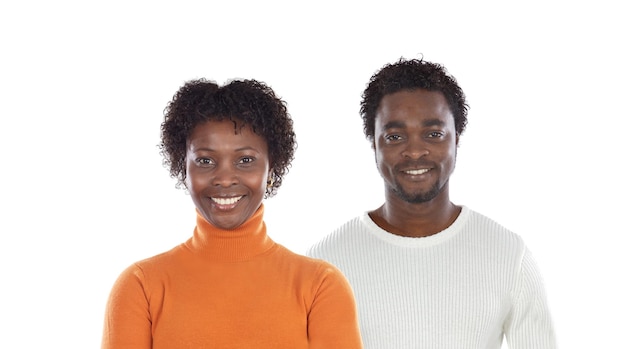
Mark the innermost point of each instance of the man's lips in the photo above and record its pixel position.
(416, 171)
(415, 168)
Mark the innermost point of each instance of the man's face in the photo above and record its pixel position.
(415, 144)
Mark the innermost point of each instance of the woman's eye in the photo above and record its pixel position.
(246, 160)
(204, 161)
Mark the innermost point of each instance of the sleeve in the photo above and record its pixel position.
(127, 318)
(529, 324)
(332, 320)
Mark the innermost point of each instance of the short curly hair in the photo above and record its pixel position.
(412, 74)
(249, 101)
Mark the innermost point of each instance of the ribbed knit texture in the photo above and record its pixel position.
(465, 287)
(231, 289)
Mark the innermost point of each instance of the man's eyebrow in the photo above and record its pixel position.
(433, 122)
(394, 124)
(425, 123)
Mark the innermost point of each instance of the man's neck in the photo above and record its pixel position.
(415, 220)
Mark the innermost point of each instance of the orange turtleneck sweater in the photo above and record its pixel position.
(231, 289)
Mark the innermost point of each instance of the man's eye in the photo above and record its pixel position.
(204, 161)
(392, 138)
(435, 134)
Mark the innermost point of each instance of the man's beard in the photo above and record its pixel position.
(418, 198)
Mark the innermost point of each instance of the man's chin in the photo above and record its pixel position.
(418, 197)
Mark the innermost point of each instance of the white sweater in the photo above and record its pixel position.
(464, 287)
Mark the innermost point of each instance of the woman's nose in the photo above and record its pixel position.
(224, 176)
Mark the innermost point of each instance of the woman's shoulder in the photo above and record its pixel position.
(158, 261)
(310, 265)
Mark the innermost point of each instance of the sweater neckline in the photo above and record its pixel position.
(239, 244)
(411, 242)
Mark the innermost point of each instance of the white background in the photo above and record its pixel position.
(83, 85)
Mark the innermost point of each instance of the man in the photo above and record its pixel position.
(428, 273)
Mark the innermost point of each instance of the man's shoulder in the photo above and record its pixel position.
(482, 219)
(344, 235)
(490, 228)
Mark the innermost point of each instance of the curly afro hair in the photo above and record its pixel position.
(248, 102)
(411, 75)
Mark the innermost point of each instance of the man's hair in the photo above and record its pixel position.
(245, 102)
(412, 74)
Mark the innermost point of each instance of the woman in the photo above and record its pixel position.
(230, 285)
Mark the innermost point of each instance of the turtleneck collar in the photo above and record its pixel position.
(242, 243)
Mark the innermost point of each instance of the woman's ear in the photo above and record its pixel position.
(270, 178)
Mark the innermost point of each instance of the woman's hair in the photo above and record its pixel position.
(412, 75)
(248, 102)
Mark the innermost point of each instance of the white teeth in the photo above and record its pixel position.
(226, 201)
(417, 172)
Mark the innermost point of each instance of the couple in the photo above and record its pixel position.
(417, 272)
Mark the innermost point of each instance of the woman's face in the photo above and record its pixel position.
(227, 170)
